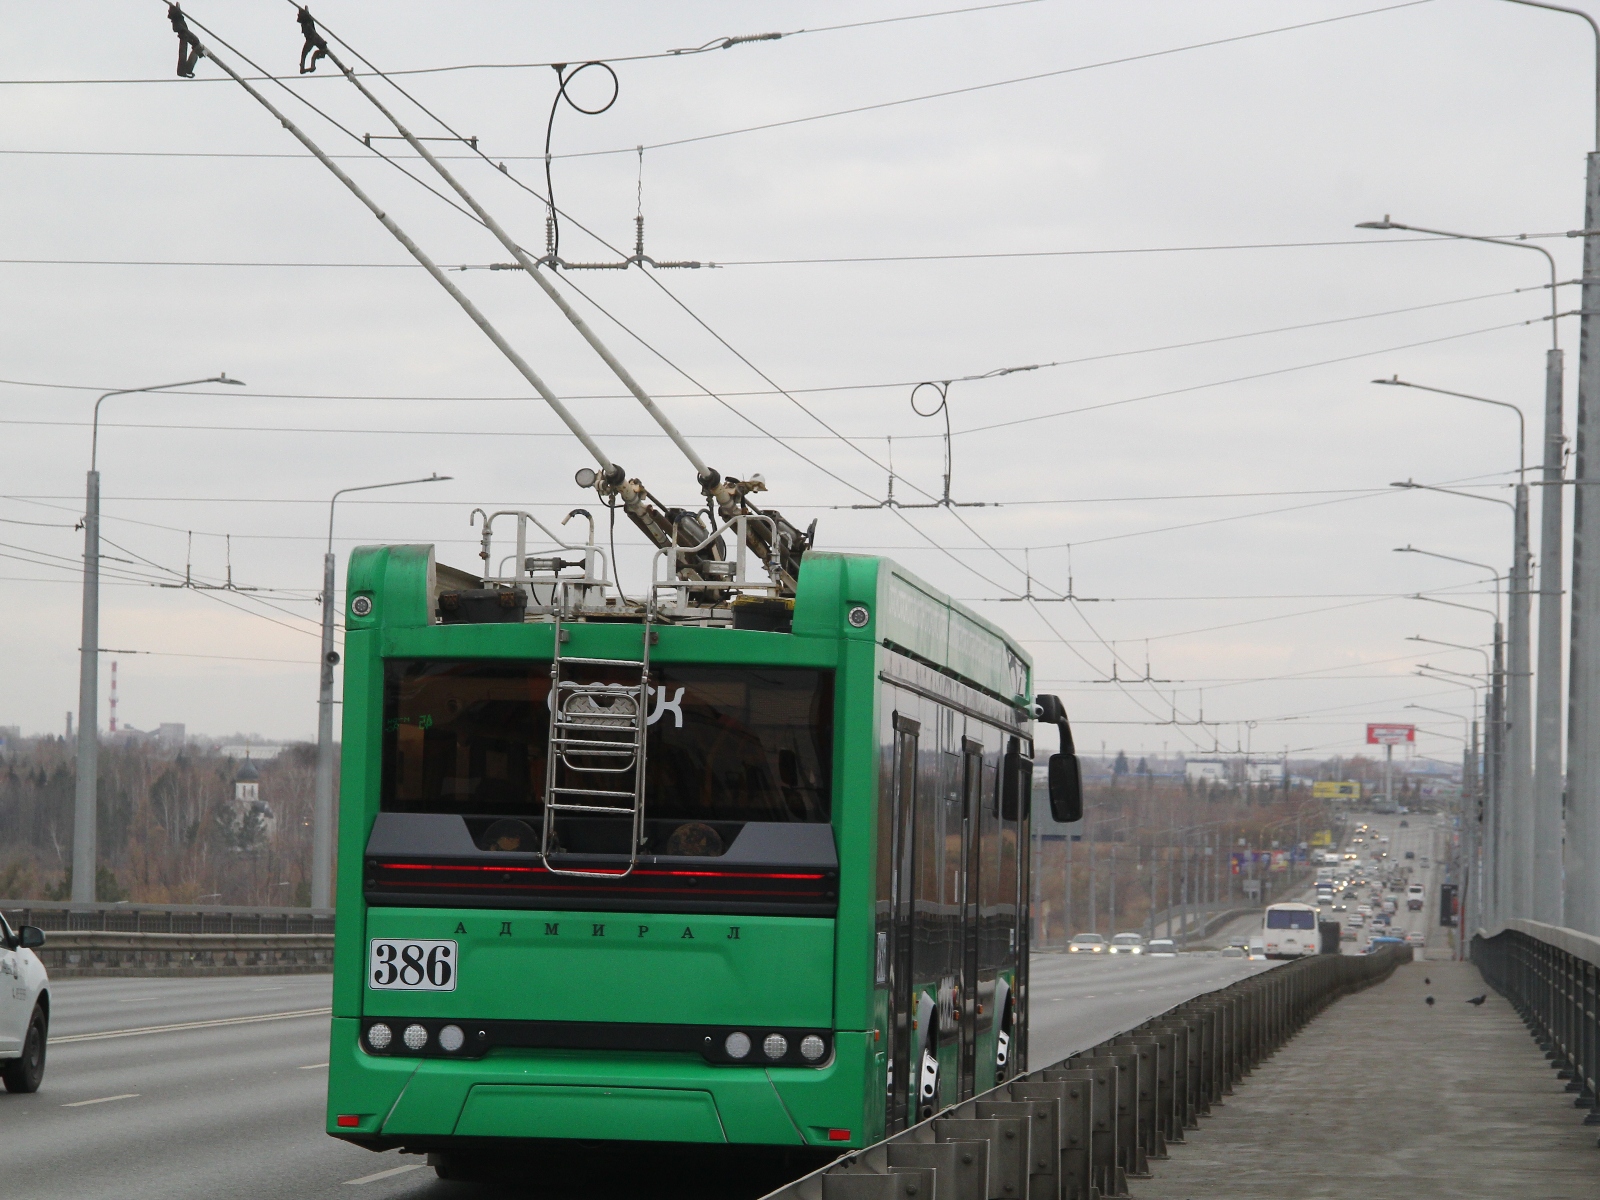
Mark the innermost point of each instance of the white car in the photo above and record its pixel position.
(1162, 948)
(24, 1008)
(1127, 943)
(1087, 943)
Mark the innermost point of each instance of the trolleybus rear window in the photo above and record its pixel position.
(725, 743)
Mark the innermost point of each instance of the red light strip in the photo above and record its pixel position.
(599, 874)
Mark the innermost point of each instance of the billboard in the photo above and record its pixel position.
(1391, 735)
(1345, 790)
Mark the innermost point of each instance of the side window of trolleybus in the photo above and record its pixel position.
(726, 745)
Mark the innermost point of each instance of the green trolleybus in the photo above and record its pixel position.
(724, 871)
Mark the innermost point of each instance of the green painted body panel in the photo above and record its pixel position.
(563, 1111)
(780, 971)
(654, 967)
(755, 1106)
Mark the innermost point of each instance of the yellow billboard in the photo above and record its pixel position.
(1321, 837)
(1334, 790)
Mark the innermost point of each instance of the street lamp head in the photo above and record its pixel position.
(1406, 483)
(1392, 381)
(1383, 224)
(222, 377)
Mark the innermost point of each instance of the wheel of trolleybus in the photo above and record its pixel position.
(928, 1080)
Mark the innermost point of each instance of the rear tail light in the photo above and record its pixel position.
(838, 1135)
(347, 1121)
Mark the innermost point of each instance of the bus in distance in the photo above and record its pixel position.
(1289, 930)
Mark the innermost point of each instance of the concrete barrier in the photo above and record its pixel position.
(68, 954)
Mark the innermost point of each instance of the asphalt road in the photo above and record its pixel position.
(230, 1103)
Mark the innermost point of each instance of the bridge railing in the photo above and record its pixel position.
(1551, 976)
(1084, 1126)
(63, 915)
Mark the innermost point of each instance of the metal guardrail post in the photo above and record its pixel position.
(1551, 977)
(1082, 1127)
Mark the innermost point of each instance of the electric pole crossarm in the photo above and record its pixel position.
(610, 469)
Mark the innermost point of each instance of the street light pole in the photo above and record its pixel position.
(86, 794)
(1492, 890)
(322, 813)
(1545, 889)
(1516, 764)
(1581, 899)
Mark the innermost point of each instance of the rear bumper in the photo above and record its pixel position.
(514, 1095)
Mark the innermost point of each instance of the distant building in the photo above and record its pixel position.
(1197, 770)
(252, 820)
(170, 734)
(10, 736)
(261, 753)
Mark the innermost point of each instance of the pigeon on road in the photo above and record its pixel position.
(1426, 982)
(1478, 1000)
(1429, 1000)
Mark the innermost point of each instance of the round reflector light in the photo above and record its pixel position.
(737, 1045)
(775, 1046)
(379, 1036)
(416, 1037)
(812, 1047)
(451, 1038)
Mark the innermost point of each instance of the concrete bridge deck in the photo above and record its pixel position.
(1383, 1095)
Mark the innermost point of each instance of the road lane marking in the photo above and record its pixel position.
(102, 1100)
(313, 1066)
(389, 1174)
(119, 1033)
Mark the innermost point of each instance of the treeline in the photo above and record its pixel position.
(170, 831)
(1149, 843)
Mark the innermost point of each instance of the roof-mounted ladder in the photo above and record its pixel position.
(596, 761)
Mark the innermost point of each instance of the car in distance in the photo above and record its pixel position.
(1161, 948)
(1416, 938)
(1416, 897)
(1341, 908)
(1235, 952)
(1087, 943)
(1378, 943)
(24, 1008)
(1411, 853)
(1127, 943)
(1405, 824)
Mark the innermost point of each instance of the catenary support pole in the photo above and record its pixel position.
(86, 791)
(1549, 719)
(1581, 908)
(1519, 731)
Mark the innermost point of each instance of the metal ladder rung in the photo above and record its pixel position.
(576, 791)
(600, 662)
(599, 744)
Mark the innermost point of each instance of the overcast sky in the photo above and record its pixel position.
(1210, 460)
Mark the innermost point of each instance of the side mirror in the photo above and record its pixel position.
(1065, 773)
(30, 937)
(1066, 788)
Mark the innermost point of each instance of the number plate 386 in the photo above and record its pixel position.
(412, 966)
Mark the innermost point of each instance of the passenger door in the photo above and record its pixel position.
(971, 920)
(903, 876)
